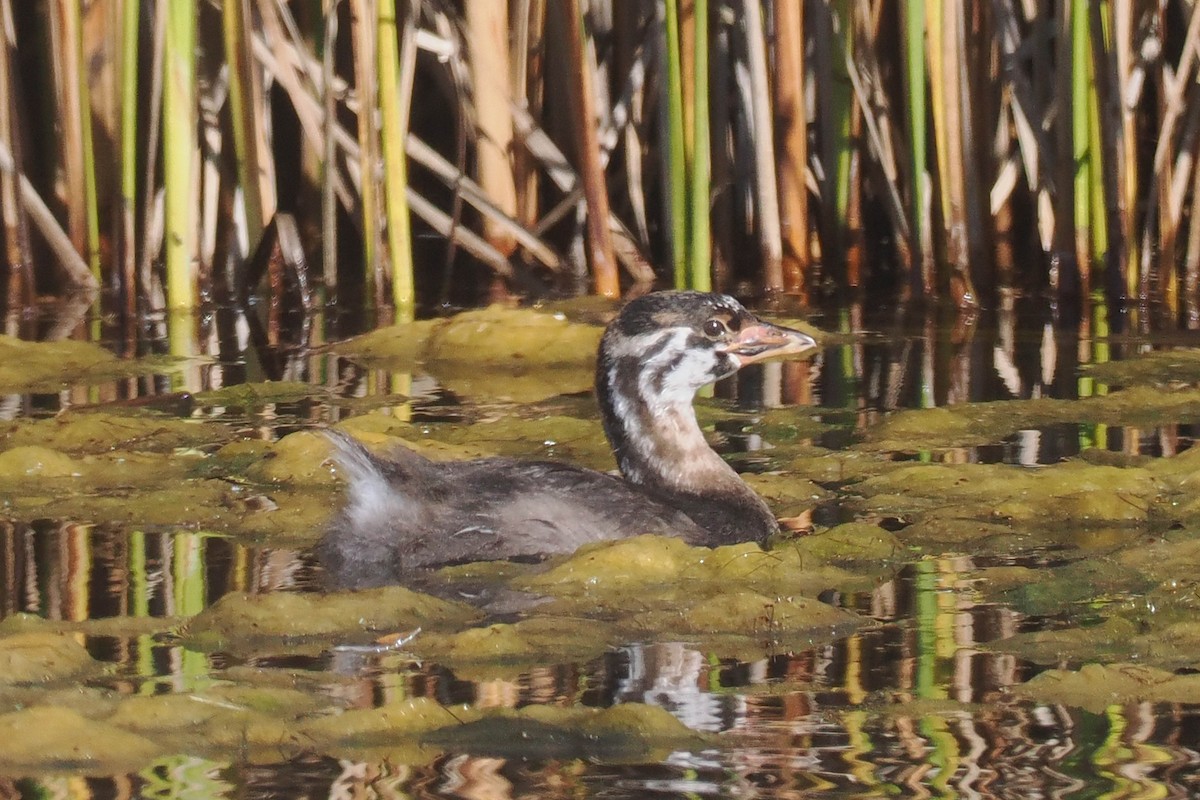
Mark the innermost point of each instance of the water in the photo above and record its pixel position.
(923, 700)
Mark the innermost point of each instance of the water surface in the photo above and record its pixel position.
(1033, 535)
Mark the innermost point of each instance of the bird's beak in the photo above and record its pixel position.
(762, 340)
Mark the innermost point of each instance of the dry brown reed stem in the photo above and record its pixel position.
(791, 127)
(18, 258)
(474, 194)
(362, 22)
(180, 152)
(724, 125)
(151, 218)
(599, 236)
(126, 17)
(633, 53)
(687, 70)
(1122, 108)
(487, 47)
(528, 75)
(1000, 76)
(247, 105)
(1174, 158)
(329, 220)
(68, 80)
(561, 174)
(79, 276)
(770, 238)
(948, 60)
(875, 116)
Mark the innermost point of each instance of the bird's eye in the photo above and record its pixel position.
(713, 328)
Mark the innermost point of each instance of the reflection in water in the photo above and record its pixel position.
(866, 714)
(915, 705)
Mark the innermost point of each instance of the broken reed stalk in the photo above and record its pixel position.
(179, 149)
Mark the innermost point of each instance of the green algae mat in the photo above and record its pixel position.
(1105, 548)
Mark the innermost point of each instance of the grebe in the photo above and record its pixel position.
(405, 514)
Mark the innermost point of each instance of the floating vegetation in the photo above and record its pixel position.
(177, 610)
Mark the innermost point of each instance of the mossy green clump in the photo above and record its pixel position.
(542, 436)
(34, 461)
(59, 739)
(487, 651)
(1111, 640)
(520, 355)
(406, 719)
(242, 620)
(751, 614)
(252, 720)
(849, 543)
(397, 347)
(257, 395)
(1095, 687)
(616, 567)
(1071, 493)
(629, 573)
(969, 424)
(626, 733)
(507, 336)
(787, 495)
(298, 458)
(51, 366)
(42, 658)
(837, 467)
(81, 432)
(1074, 585)
(1162, 367)
(1137, 638)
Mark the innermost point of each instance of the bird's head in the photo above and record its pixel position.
(682, 341)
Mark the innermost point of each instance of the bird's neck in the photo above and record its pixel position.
(652, 428)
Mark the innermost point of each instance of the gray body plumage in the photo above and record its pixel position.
(405, 513)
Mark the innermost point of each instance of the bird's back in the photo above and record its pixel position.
(406, 514)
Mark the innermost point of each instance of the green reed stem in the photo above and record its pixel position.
(1081, 137)
(90, 203)
(128, 76)
(699, 233)
(914, 90)
(676, 152)
(843, 106)
(233, 18)
(393, 131)
(179, 147)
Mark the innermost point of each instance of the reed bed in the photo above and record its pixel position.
(430, 152)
